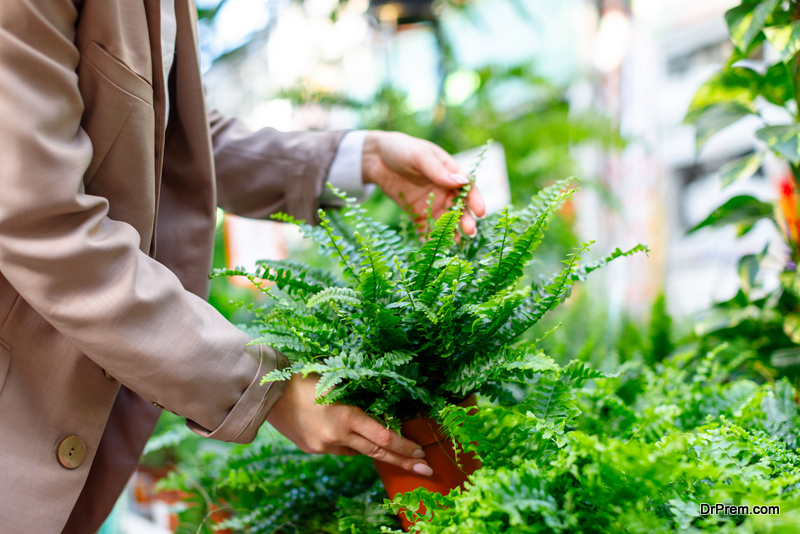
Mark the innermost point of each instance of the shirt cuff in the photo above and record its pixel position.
(246, 417)
(345, 173)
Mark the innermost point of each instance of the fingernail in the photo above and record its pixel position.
(422, 469)
(419, 453)
(463, 180)
(474, 234)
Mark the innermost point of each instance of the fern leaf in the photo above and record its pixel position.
(463, 193)
(439, 242)
(277, 375)
(542, 200)
(581, 273)
(336, 249)
(456, 271)
(504, 237)
(341, 295)
(241, 271)
(280, 342)
(386, 241)
(509, 268)
(543, 299)
(374, 283)
(405, 283)
(782, 413)
(312, 275)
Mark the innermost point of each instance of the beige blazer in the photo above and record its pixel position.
(106, 232)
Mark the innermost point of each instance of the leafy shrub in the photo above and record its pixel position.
(752, 85)
(270, 486)
(593, 464)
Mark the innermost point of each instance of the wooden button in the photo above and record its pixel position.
(71, 452)
(108, 375)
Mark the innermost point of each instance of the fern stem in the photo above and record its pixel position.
(405, 283)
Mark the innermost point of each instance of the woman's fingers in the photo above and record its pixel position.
(445, 173)
(475, 202)
(376, 452)
(447, 160)
(384, 438)
(468, 225)
(343, 451)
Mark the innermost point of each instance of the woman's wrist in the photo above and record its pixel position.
(371, 157)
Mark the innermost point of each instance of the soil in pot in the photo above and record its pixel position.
(447, 472)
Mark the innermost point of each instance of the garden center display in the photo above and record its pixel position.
(408, 323)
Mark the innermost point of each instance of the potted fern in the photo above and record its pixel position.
(414, 320)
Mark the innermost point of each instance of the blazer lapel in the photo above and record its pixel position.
(188, 191)
(153, 12)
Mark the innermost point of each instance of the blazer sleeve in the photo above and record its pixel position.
(268, 171)
(83, 272)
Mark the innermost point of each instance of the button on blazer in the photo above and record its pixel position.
(106, 233)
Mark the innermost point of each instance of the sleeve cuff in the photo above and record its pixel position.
(345, 172)
(249, 413)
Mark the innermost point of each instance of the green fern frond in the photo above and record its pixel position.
(386, 241)
(582, 272)
(463, 193)
(280, 342)
(241, 271)
(391, 360)
(293, 277)
(374, 284)
(411, 502)
(781, 413)
(577, 372)
(336, 249)
(277, 375)
(312, 275)
(439, 242)
(544, 298)
(407, 289)
(341, 295)
(540, 202)
(509, 267)
(455, 271)
(504, 236)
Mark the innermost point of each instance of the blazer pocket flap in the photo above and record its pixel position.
(119, 74)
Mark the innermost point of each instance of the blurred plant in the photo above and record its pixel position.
(787, 214)
(581, 330)
(765, 319)
(270, 487)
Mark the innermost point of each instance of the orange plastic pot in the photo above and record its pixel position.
(217, 515)
(447, 472)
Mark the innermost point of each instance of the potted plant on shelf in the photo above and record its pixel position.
(414, 320)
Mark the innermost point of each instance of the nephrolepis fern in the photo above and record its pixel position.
(401, 326)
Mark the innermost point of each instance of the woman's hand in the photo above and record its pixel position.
(408, 169)
(339, 429)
